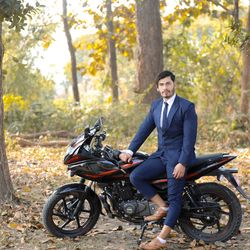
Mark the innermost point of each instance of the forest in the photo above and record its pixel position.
(64, 64)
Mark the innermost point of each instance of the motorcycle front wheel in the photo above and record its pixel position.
(216, 217)
(59, 216)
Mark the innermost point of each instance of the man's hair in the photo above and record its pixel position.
(164, 74)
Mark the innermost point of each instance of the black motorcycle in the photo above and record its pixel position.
(210, 212)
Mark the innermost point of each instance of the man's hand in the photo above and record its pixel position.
(179, 171)
(125, 157)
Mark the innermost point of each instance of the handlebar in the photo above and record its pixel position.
(110, 153)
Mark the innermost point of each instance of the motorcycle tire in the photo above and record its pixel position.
(58, 212)
(213, 227)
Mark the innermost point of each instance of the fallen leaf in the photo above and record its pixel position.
(48, 241)
(193, 243)
(119, 228)
(17, 226)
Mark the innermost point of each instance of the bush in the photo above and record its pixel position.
(121, 121)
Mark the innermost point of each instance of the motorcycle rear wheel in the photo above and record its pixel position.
(58, 212)
(220, 221)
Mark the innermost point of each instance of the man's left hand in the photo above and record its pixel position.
(179, 171)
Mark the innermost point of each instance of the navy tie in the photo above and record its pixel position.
(165, 116)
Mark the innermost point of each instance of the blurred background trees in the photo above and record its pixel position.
(120, 46)
(15, 14)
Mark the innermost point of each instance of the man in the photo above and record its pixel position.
(176, 123)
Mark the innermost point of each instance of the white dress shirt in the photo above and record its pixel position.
(170, 102)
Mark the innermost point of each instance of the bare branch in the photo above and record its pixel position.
(217, 3)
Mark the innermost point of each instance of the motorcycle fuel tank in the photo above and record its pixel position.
(95, 169)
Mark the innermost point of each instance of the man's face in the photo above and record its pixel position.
(166, 87)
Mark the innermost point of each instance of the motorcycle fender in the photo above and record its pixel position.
(75, 187)
(228, 174)
(79, 187)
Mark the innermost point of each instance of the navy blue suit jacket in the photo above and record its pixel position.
(176, 141)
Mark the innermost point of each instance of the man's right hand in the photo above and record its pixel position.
(125, 157)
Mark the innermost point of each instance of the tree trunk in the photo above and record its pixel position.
(6, 188)
(28, 143)
(236, 12)
(150, 54)
(245, 78)
(112, 52)
(60, 134)
(72, 53)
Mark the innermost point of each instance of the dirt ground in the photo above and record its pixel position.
(36, 172)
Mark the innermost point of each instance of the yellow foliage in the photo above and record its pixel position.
(89, 46)
(97, 18)
(14, 102)
(109, 100)
(125, 53)
(46, 41)
(92, 69)
(61, 103)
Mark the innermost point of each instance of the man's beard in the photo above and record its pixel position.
(168, 94)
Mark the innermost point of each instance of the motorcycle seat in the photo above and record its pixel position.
(206, 159)
(199, 161)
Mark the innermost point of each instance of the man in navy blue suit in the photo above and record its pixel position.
(176, 122)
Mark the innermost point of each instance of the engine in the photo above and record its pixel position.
(137, 208)
(127, 200)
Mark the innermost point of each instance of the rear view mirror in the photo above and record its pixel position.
(99, 123)
(86, 130)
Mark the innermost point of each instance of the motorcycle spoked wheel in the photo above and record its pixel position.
(220, 222)
(58, 212)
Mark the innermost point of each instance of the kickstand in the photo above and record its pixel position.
(144, 227)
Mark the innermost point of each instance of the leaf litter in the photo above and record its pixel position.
(37, 171)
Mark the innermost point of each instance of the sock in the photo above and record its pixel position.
(161, 240)
(164, 208)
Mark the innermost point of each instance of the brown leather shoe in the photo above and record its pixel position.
(155, 244)
(160, 213)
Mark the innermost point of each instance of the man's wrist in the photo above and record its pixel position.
(128, 151)
(184, 165)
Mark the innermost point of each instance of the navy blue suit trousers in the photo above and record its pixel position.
(150, 169)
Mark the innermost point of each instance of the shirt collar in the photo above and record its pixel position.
(170, 101)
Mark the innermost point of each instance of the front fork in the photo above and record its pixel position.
(81, 199)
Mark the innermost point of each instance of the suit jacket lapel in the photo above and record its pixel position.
(158, 113)
(172, 111)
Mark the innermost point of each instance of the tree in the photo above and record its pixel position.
(112, 51)
(20, 77)
(150, 54)
(72, 53)
(238, 36)
(245, 77)
(95, 49)
(6, 188)
(16, 13)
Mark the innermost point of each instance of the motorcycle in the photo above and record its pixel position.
(211, 212)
